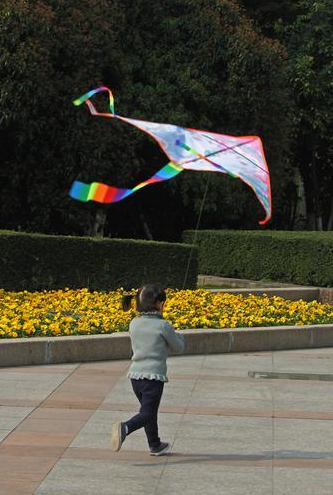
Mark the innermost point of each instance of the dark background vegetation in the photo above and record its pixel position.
(248, 67)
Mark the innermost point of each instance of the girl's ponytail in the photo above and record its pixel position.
(146, 298)
(127, 302)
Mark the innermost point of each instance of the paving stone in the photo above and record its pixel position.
(304, 482)
(14, 412)
(99, 477)
(230, 434)
(96, 433)
(4, 433)
(214, 480)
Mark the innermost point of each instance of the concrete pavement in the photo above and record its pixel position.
(231, 434)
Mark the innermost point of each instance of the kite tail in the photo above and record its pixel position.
(86, 99)
(102, 193)
(265, 220)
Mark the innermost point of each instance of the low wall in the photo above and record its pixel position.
(54, 350)
(291, 293)
(259, 287)
(236, 283)
(326, 295)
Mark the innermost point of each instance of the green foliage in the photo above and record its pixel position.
(296, 257)
(309, 41)
(231, 81)
(304, 27)
(196, 63)
(267, 13)
(51, 52)
(38, 262)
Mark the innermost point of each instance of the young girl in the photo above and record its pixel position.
(151, 338)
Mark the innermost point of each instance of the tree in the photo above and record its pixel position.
(194, 63)
(202, 64)
(305, 30)
(267, 13)
(309, 41)
(51, 52)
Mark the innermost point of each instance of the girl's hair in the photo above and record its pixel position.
(146, 298)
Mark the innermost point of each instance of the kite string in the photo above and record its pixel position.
(196, 231)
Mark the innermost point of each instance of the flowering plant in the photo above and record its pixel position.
(81, 312)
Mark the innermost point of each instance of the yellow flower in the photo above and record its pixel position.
(70, 312)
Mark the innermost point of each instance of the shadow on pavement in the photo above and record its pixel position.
(178, 458)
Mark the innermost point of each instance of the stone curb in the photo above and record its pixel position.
(259, 287)
(237, 283)
(55, 350)
(307, 294)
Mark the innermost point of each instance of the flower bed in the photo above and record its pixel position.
(80, 312)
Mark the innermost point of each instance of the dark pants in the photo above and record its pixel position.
(149, 393)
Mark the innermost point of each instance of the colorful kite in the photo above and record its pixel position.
(187, 149)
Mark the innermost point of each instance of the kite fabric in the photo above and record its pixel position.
(187, 149)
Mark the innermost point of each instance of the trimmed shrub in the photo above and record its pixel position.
(38, 262)
(296, 257)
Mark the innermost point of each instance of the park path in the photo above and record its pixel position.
(231, 434)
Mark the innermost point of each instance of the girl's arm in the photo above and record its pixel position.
(174, 340)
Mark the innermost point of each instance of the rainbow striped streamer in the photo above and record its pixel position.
(86, 99)
(96, 191)
(186, 149)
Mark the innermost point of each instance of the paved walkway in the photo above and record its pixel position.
(231, 434)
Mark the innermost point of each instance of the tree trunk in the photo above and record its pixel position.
(146, 227)
(309, 200)
(308, 169)
(330, 220)
(317, 207)
(300, 215)
(98, 224)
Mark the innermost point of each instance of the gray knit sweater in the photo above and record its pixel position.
(152, 338)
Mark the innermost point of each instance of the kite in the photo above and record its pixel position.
(187, 149)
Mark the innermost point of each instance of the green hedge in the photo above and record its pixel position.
(37, 262)
(296, 257)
